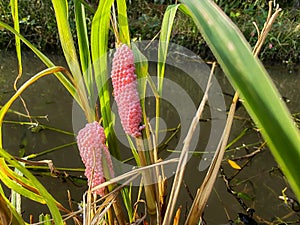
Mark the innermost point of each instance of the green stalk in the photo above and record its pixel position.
(148, 181)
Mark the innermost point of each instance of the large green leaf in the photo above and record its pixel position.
(252, 81)
(66, 38)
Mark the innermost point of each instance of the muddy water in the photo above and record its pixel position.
(259, 182)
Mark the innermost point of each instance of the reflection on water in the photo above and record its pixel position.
(260, 181)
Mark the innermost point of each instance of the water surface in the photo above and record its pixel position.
(260, 179)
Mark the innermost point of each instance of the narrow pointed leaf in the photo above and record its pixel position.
(141, 70)
(12, 184)
(123, 22)
(15, 16)
(66, 38)
(164, 39)
(51, 202)
(84, 48)
(99, 40)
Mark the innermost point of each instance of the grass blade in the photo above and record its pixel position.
(164, 39)
(13, 181)
(66, 39)
(123, 22)
(15, 16)
(250, 78)
(99, 49)
(84, 48)
(51, 202)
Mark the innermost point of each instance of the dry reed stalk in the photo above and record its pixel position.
(134, 173)
(148, 179)
(183, 156)
(204, 191)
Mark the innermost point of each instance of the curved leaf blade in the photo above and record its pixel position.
(99, 40)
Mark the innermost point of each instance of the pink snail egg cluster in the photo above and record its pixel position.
(93, 150)
(125, 90)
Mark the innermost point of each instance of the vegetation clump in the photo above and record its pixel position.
(38, 24)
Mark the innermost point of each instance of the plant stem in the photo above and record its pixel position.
(148, 181)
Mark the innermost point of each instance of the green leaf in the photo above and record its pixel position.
(141, 70)
(66, 38)
(249, 77)
(51, 202)
(126, 196)
(99, 40)
(45, 219)
(123, 22)
(6, 174)
(84, 48)
(164, 39)
(15, 16)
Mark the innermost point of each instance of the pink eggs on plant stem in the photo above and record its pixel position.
(93, 151)
(124, 82)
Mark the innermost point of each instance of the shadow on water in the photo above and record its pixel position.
(258, 184)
